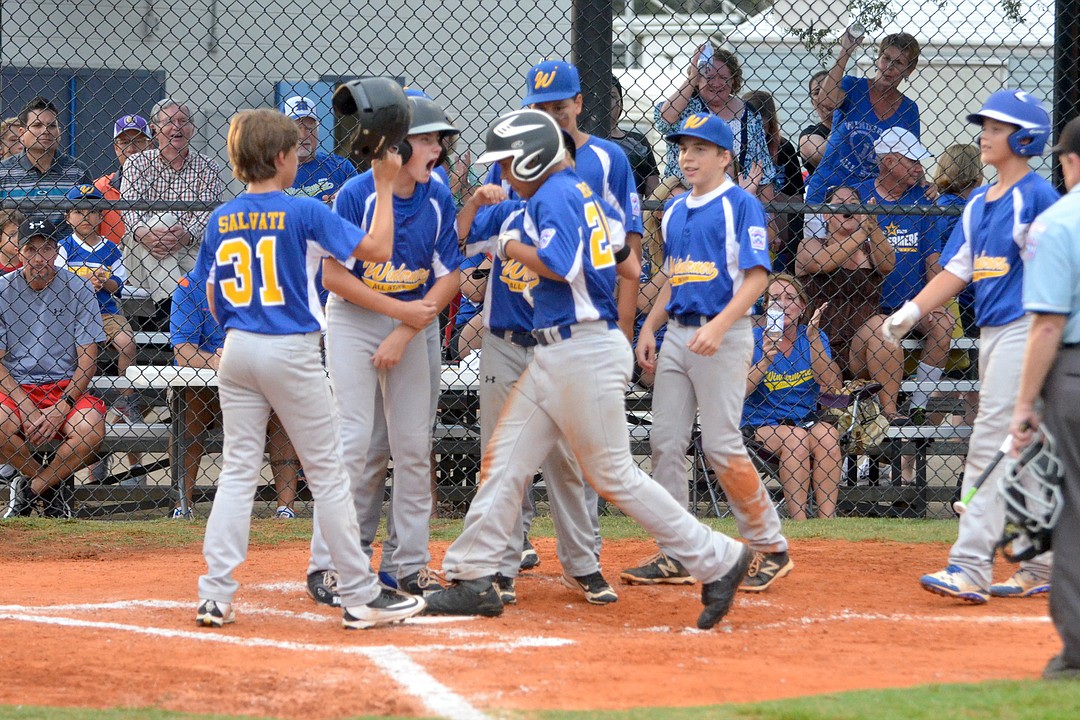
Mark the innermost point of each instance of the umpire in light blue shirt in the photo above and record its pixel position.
(1052, 370)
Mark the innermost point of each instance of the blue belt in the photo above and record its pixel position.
(692, 320)
(522, 339)
(552, 335)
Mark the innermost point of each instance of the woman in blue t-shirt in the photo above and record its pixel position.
(865, 107)
(790, 370)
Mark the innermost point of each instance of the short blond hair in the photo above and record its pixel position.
(959, 168)
(256, 137)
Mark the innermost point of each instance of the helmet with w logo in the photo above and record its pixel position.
(531, 138)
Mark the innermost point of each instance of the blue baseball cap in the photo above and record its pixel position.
(84, 192)
(416, 93)
(551, 80)
(708, 127)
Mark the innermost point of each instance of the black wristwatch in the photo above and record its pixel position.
(70, 400)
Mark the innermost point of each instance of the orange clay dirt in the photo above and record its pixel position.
(85, 629)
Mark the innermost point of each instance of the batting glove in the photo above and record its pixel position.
(900, 323)
(503, 239)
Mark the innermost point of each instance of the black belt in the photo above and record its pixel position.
(693, 320)
(552, 335)
(522, 339)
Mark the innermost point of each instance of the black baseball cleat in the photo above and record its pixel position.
(21, 503)
(214, 614)
(389, 606)
(57, 501)
(505, 587)
(421, 583)
(529, 556)
(322, 587)
(765, 569)
(717, 596)
(594, 587)
(467, 597)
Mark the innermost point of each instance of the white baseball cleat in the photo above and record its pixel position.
(388, 607)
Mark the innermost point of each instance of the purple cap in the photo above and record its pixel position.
(131, 122)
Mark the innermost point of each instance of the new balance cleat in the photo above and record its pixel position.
(529, 556)
(594, 587)
(285, 513)
(467, 597)
(765, 569)
(1022, 584)
(658, 570)
(390, 606)
(954, 582)
(322, 587)
(717, 596)
(505, 587)
(214, 614)
(423, 581)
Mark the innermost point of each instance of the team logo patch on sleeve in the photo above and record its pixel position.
(546, 236)
(759, 239)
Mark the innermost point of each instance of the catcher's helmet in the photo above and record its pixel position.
(1016, 107)
(382, 115)
(531, 138)
(427, 117)
(1031, 488)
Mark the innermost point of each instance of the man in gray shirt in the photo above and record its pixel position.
(50, 324)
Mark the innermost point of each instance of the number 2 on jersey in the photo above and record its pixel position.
(599, 237)
(240, 290)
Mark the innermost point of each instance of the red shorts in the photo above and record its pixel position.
(47, 395)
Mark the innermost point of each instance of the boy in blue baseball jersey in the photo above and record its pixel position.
(573, 387)
(258, 258)
(87, 254)
(380, 326)
(985, 249)
(716, 252)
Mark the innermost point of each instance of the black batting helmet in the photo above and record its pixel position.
(426, 117)
(531, 138)
(382, 115)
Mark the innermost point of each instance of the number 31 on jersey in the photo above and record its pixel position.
(239, 290)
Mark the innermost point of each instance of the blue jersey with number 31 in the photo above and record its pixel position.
(260, 254)
(566, 223)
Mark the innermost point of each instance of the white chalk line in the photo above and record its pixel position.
(394, 661)
(849, 616)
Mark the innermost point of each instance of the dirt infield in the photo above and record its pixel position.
(83, 629)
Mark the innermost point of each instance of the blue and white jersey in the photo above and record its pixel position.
(84, 260)
(467, 309)
(709, 243)
(788, 392)
(603, 165)
(914, 239)
(565, 221)
(260, 253)
(1052, 264)
(505, 306)
(985, 247)
(425, 236)
(322, 175)
(190, 320)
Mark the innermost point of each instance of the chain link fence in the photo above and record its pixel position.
(134, 99)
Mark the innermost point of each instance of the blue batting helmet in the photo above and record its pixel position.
(1017, 107)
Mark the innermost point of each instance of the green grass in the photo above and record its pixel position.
(31, 533)
(1032, 700)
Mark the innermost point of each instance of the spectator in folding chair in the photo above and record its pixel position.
(197, 340)
(50, 325)
(790, 370)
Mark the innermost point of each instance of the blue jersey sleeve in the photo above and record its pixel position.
(624, 188)
(558, 243)
(337, 236)
(447, 257)
(349, 201)
(204, 262)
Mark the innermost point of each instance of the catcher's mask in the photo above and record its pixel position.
(1031, 489)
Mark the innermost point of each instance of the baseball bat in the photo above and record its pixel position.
(960, 506)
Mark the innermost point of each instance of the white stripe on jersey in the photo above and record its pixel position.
(584, 309)
(731, 249)
(312, 260)
(1020, 230)
(962, 264)
(608, 195)
(437, 266)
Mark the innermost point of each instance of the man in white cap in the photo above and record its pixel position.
(320, 174)
(917, 244)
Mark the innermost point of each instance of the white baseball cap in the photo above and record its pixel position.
(898, 140)
(298, 107)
